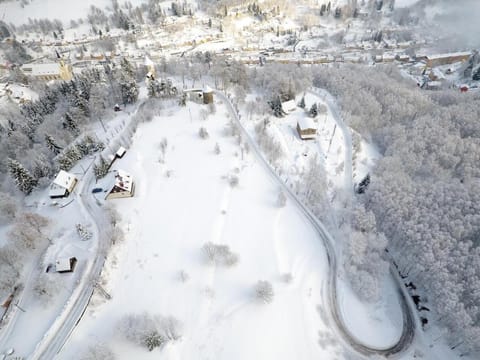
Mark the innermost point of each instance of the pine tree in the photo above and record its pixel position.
(183, 100)
(127, 68)
(153, 88)
(153, 340)
(129, 91)
(41, 167)
(52, 144)
(71, 124)
(209, 23)
(476, 75)
(101, 169)
(68, 159)
(22, 177)
(313, 110)
(301, 104)
(276, 106)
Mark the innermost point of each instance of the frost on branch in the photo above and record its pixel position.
(264, 291)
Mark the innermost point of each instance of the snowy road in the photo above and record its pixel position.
(64, 324)
(409, 323)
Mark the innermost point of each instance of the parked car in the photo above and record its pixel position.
(97, 190)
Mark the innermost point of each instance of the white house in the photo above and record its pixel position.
(306, 128)
(120, 152)
(49, 71)
(123, 186)
(289, 106)
(64, 265)
(63, 185)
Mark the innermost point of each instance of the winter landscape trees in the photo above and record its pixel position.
(423, 192)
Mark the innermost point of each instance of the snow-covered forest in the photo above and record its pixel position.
(424, 191)
(422, 208)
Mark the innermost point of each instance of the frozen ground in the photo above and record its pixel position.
(167, 223)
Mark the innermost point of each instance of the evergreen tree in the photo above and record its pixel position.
(183, 100)
(68, 159)
(153, 88)
(276, 106)
(22, 177)
(301, 104)
(153, 340)
(71, 124)
(129, 91)
(127, 68)
(363, 185)
(42, 167)
(209, 23)
(313, 110)
(101, 169)
(476, 75)
(52, 144)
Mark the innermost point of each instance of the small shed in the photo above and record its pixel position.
(63, 185)
(120, 152)
(289, 106)
(306, 128)
(64, 265)
(207, 95)
(123, 186)
(195, 95)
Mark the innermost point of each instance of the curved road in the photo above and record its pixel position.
(409, 322)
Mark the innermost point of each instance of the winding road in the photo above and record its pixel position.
(409, 321)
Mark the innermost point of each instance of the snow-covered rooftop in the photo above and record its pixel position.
(121, 151)
(63, 264)
(306, 123)
(64, 179)
(289, 105)
(42, 69)
(123, 180)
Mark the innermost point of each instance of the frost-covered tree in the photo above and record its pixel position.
(71, 124)
(313, 112)
(217, 254)
(150, 331)
(52, 144)
(22, 177)
(101, 168)
(301, 104)
(264, 291)
(98, 352)
(69, 158)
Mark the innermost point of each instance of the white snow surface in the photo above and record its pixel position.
(63, 10)
(167, 223)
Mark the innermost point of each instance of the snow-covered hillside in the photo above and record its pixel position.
(186, 201)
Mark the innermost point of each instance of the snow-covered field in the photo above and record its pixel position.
(172, 217)
(14, 13)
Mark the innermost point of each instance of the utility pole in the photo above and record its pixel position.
(331, 139)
